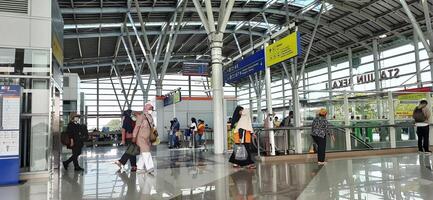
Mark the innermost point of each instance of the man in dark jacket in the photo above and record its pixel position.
(75, 135)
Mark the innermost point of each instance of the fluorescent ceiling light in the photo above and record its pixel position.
(382, 36)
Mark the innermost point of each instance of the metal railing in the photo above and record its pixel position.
(338, 131)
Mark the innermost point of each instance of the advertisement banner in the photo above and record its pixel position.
(281, 50)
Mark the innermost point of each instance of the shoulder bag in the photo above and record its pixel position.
(153, 132)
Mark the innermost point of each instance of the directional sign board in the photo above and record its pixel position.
(173, 97)
(195, 69)
(281, 50)
(245, 67)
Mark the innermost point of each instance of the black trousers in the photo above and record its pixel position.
(321, 147)
(423, 137)
(125, 157)
(76, 152)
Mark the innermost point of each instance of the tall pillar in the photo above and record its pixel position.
(296, 109)
(97, 103)
(250, 101)
(269, 108)
(417, 64)
(377, 80)
(329, 64)
(158, 87)
(284, 93)
(350, 58)
(218, 93)
(259, 106)
(392, 136)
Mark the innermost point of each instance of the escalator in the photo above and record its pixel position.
(361, 144)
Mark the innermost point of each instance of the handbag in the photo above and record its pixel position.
(153, 132)
(133, 149)
(240, 151)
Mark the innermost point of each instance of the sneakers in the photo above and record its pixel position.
(65, 165)
(427, 152)
(118, 164)
(151, 172)
(79, 169)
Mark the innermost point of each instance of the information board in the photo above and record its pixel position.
(10, 99)
(172, 97)
(281, 50)
(245, 67)
(195, 69)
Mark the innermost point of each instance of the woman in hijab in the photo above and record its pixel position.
(127, 129)
(141, 136)
(242, 131)
(321, 129)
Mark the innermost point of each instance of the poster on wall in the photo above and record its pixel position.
(10, 100)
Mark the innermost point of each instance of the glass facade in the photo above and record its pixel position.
(31, 69)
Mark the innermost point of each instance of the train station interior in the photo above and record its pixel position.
(216, 99)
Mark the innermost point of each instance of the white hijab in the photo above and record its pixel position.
(245, 121)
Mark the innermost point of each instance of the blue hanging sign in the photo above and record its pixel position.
(243, 68)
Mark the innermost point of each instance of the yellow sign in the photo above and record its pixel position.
(282, 49)
(403, 110)
(414, 96)
(57, 50)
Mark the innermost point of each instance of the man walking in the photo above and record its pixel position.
(421, 115)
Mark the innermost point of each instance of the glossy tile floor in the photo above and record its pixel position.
(187, 174)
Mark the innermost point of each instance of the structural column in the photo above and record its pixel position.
(392, 136)
(97, 103)
(250, 101)
(158, 87)
(217, 89)
(329, 64)
(417, 63)
(350, 58)
(269, 108)
(377, 80)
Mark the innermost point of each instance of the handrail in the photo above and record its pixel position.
(336, 127)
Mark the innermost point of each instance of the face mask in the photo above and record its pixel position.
(150, 111)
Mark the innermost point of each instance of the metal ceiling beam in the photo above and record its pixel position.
(417, 29)
(107, 64)
(171, 42)
(114, 10)
(343, 6)
(181, 32)
(426, 10)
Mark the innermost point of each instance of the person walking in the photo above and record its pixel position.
(200, 130)
(193, 127)
(242, 131)
(73, 129)
(174, 128)
(141, 136)
(127, 129)
(321, 129)
(421, 115)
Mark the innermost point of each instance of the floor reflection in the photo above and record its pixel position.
(391, 177)
(188, 174)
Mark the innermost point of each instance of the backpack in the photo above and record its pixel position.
(418, 115)
(64, 139)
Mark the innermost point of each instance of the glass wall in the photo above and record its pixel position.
(109, 106)
(31, 69)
